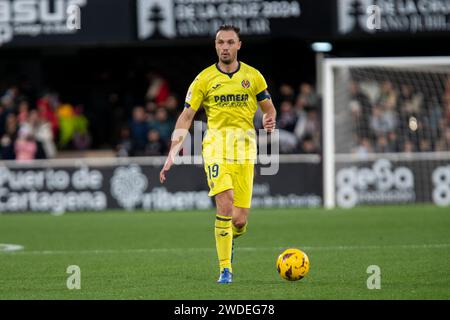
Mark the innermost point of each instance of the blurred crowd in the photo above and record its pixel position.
(37, 129)
(149, 130)
(386, 117)
(298, 119)
(399, 118)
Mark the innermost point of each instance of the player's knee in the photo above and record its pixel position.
(239, 221)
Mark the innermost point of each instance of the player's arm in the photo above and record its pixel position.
(182, 126)
(269, 114)
(265, 103)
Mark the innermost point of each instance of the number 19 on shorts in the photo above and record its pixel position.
(213, 171)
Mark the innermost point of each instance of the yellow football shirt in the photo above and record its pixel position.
(230, 101)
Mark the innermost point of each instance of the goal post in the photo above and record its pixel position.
(386, 130)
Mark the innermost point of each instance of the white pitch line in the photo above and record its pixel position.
(6, 247)
(174, 250)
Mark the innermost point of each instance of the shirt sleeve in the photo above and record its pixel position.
(262, 92)
(195, 95)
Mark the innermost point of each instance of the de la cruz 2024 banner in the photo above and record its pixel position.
(136, 187)
(177, 19)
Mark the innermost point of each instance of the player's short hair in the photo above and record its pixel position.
(230, 27)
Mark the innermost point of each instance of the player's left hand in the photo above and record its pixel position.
(268, 123)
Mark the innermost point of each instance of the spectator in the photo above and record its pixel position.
(409, 146)
(11, 98)
(46, 106)
(446, 120)
(25, 145)
(286, 93)
(162, 124)
(308, 124)
(308, 146)
(308, 96)
(444, 143)
(382, 145)
(9, 137)
(446, 95)
(171, 105)
(158, 89)
(288, 141)
(7, 151)
(42, 132)
(6, 107)
(394, 144)
(66, 115)
(11, 126)
(288, 117)
(410, 102)
(24, 108)
(150, 109)
(364, 148)
(388, 95)
(390, 116)
(424, 145)
(81, 138)
(381, 123)
(434, 118)
(360, 108)
(286, 125)
(3, 116)
(73, 127)
(155, 145)
(125, 146)
(313, 126)
(139, 129)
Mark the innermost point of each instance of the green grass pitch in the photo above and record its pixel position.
(171, 255)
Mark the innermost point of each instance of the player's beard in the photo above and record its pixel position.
(228, 60)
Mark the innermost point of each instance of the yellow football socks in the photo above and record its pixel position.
(237, 232)
(224, 240)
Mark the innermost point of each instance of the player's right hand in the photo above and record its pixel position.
(167, 165)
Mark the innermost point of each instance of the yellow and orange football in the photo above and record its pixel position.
(292, 264)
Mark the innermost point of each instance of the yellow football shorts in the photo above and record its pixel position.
(224, 175)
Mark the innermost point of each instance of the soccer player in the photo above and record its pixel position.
(230, 92)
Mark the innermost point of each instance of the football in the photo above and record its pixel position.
(292, 264)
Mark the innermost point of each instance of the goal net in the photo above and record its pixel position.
(386, 131)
